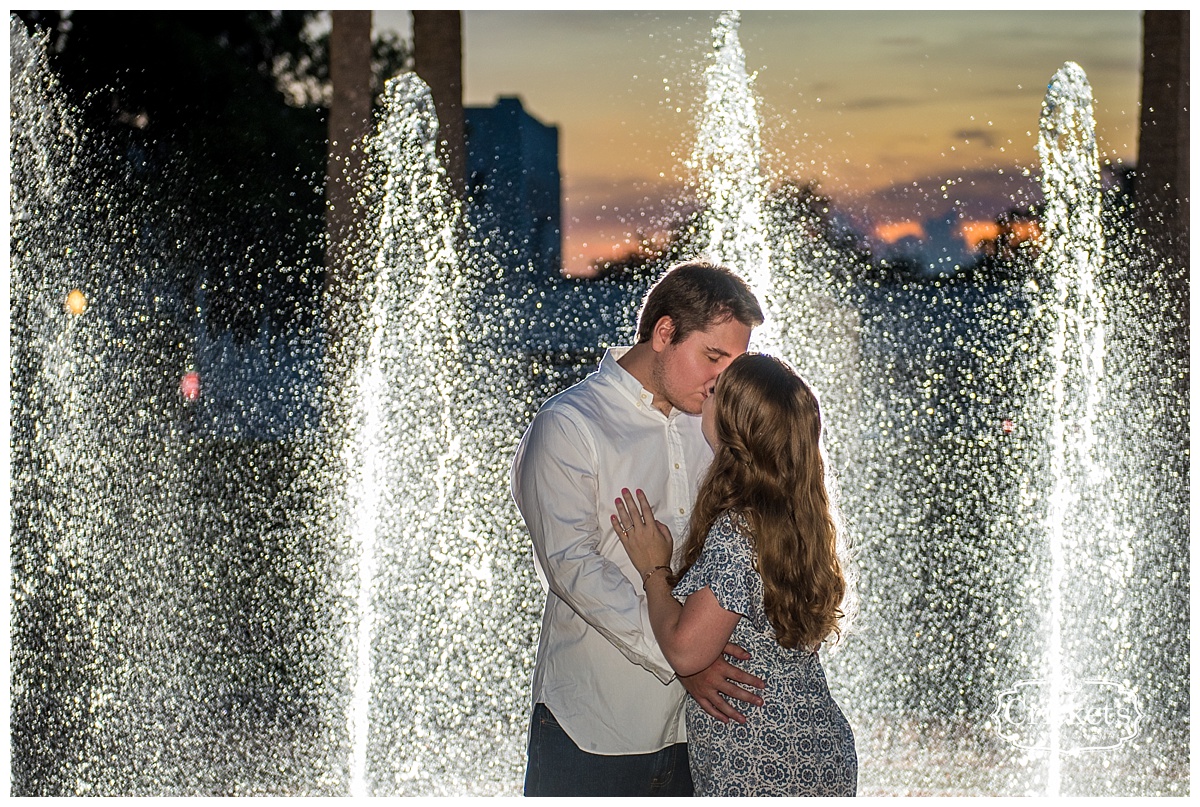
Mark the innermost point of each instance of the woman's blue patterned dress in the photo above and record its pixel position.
(799, 742)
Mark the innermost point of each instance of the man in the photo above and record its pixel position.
(608, 709)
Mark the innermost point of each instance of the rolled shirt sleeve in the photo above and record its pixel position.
(556, 488)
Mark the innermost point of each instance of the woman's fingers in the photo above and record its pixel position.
(632, 514)
(633, 508)
(646, 512)
(623, 522)
(628, 509)
(623, 514)
(640, 508)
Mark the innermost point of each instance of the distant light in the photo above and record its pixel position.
(1007, 427)
(76, 303)
(189, 386)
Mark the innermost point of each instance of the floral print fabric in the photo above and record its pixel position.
(799, 742)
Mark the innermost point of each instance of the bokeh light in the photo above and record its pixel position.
(189, 386)
(76, 302)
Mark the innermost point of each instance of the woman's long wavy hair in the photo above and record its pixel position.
(768, 466)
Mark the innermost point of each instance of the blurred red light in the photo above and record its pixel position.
(189, 386)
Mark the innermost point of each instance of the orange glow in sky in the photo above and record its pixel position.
(891, 232)
(1025, 231)
(975, 233)
(606, 251)
(895, 115)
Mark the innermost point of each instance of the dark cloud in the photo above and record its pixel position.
(878, 102)
(981, 136)
(976, 195)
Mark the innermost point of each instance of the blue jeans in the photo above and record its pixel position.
(557, 767)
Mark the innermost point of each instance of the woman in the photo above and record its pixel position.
(760, 570)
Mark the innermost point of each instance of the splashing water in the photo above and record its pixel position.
(296, 629)
(136, 620)
(1074, 247)
(1077, 524)
(413, 322)
(1073, 254)
(725, 160)
(436, 587)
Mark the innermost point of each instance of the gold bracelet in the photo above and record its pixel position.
(646, 577)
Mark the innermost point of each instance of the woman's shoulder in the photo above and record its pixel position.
(725, 565)
(730, 530)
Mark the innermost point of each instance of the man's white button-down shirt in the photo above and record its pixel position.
(599, 669)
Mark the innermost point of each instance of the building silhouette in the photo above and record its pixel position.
(513, 187)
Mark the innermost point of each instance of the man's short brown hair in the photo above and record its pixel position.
(697, 295)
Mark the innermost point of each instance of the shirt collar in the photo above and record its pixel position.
(629, 386)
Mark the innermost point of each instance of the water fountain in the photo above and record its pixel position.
(740, 230)
(369, 628)
(444, 588)
(1092, 548)
(1006, 413)
(725, 162)
(137, 597)
(1074, 247)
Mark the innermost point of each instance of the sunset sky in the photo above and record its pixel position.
(897, 115)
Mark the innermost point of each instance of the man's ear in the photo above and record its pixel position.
(663, 332)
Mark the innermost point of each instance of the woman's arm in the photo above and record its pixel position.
(692, 635)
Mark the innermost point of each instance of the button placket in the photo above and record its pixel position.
(678, 483)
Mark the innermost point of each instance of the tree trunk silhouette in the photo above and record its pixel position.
(349, 123)
(1163, 159)
(437, 58)
(1163, 187)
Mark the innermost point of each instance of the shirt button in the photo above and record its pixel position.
(677, 466)
(680, 511)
